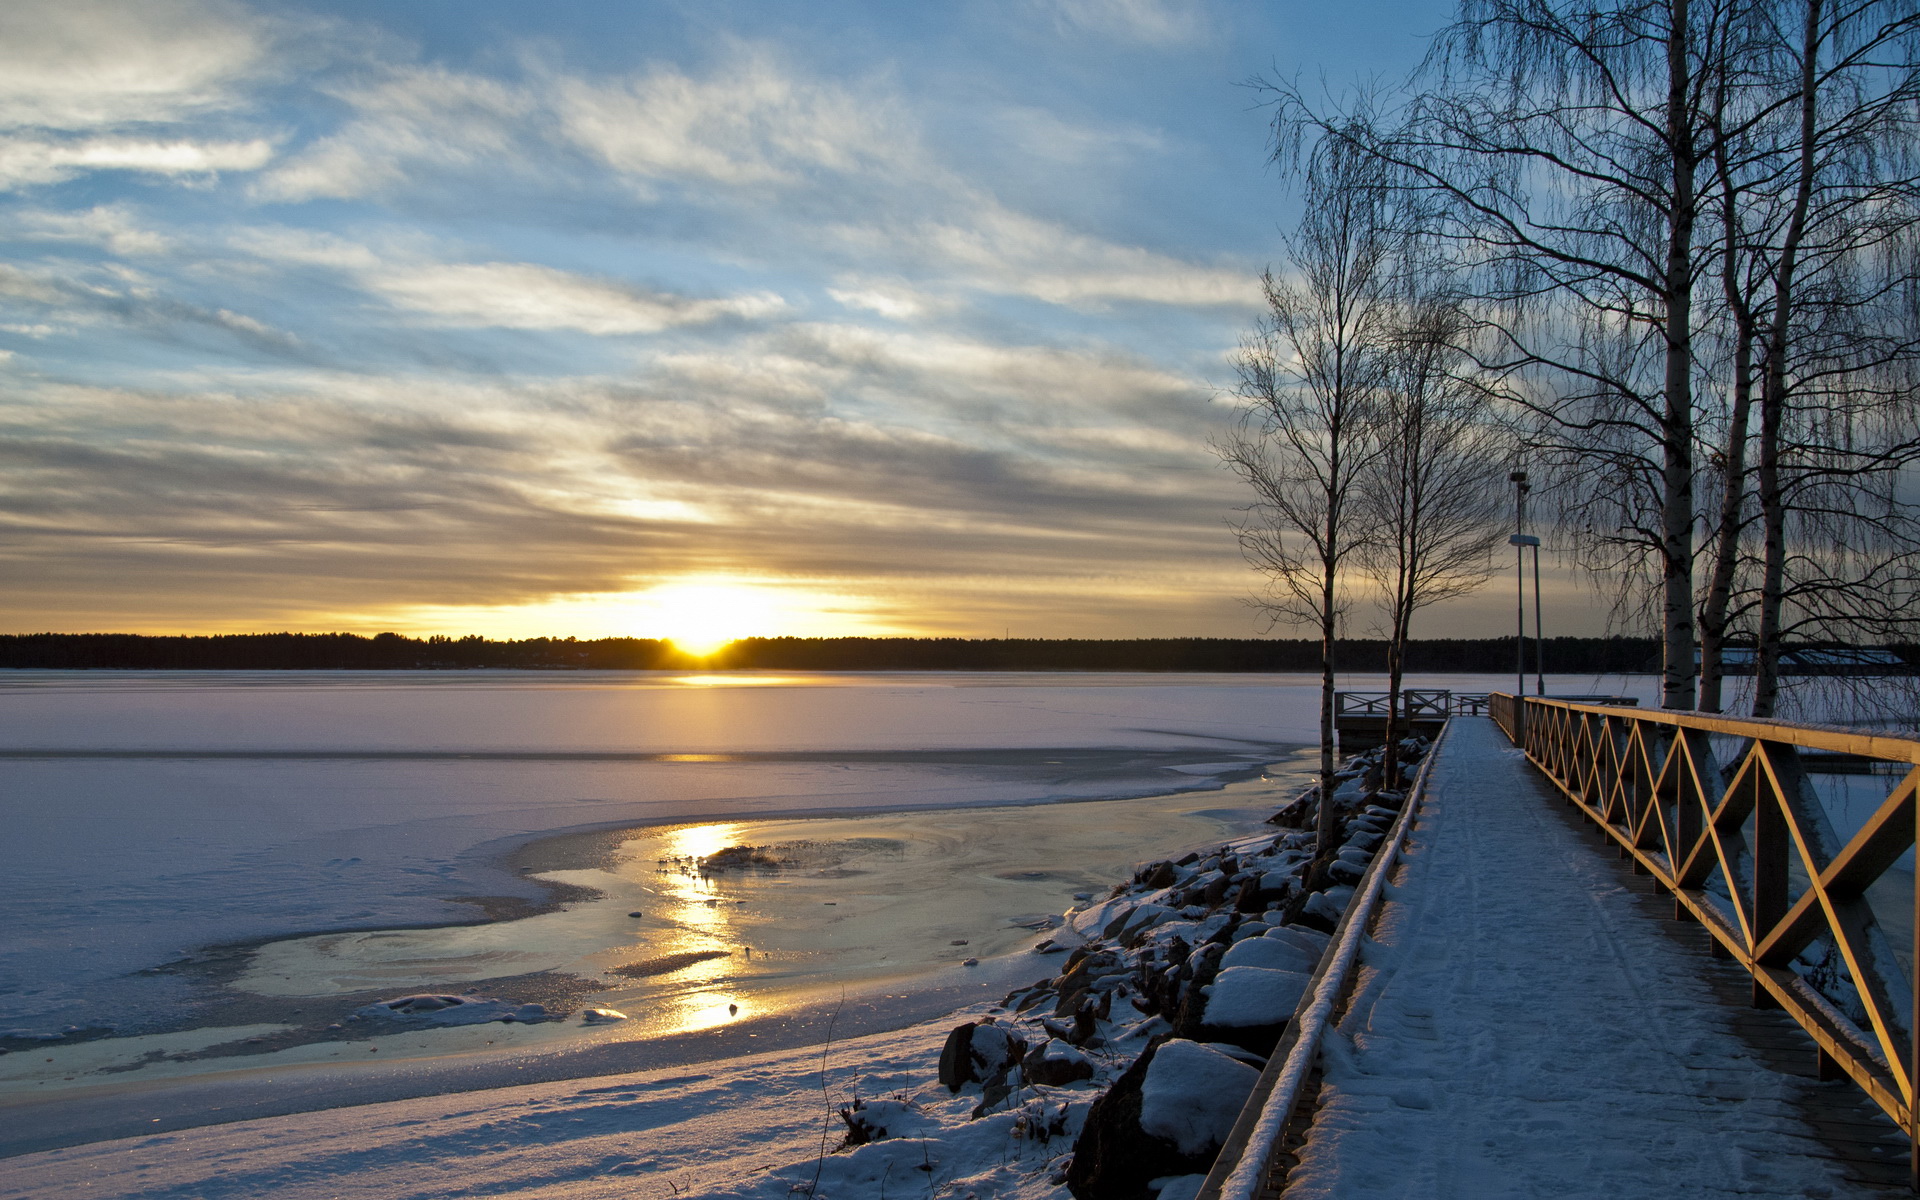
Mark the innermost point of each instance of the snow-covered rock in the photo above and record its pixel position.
(1270, 953)
(1245, 996)
(1054, 1063)
(1192, 1094)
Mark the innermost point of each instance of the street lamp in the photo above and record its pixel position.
(1520, 540)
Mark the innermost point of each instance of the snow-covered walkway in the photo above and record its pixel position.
(1524, 1026)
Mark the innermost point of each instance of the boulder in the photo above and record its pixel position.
(1271, 953)
(1250, 1006)
(979, 1053)
(1166, 1116)
(1053, 1063)
(1157, 875)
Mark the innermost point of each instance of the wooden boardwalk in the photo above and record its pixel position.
(1531, 1020)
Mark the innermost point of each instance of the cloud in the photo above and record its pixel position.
(414, 118)
(26, 162)
(995, 249)
(1146, 22)
(103, 85)
(749, 123)
(895, 299)
(856, 174)
(498, 295)
(893, 460)
(112, 227)
(66, 296)
(88, 64)
(530, 296)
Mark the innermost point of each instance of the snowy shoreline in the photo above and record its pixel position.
(752, 1124)
(109, 1106)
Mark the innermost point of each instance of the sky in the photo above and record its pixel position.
(611, 318)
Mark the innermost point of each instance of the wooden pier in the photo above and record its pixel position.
(1583, 979)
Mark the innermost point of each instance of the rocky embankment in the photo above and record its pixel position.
(1145, 1044)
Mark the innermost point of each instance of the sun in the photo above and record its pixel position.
(700, 618)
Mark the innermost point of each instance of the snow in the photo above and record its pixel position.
(317, 803)
(1193, 1093)
(750, 1128)
(1243, 996)
(1268, 952)
(752, 1125)
(1522, 1028)
(151, 814)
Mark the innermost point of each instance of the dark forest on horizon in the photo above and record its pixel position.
(394, 652)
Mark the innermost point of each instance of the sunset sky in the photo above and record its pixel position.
(578, 318)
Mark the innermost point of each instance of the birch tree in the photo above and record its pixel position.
(1310, 376)
(1433, 495)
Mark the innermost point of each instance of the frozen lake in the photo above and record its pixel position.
(203, 871)
(164, 827)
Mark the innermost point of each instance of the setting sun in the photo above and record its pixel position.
(700, 618)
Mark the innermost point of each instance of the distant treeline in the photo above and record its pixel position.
(392, 652)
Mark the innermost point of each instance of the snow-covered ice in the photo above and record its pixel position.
(150, 814)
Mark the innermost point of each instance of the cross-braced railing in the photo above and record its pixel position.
(1426, 703)
(1749, 851)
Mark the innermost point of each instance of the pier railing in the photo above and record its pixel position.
(1746, 848)
(1431, 704)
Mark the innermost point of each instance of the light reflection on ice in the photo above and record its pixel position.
(856, 900)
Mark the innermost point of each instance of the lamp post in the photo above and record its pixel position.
(1520, 541)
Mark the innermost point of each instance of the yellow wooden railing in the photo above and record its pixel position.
(1750, 853)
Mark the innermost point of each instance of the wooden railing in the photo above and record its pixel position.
(1748, 850)
(1430, 704)
(1243, 1168)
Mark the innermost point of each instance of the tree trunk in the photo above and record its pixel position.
(1324, 828)
(1396, 670)
(1773, 392)
(1726, 538)
(1677, 683)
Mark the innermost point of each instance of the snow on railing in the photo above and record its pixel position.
(1241, 1169)
(1749, 852)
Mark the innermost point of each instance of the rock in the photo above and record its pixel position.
(1152, 1124)
(1345, 870)
(1250, 1006)
(1214, 892)
(979, 1053)
(1310, 941)
(956, 1067)
(602, 1016)
(1271, 953)
(1249, 899)
(1053, 1063)
(1157, 875)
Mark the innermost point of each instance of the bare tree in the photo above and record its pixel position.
(1311, 374)
(1813, 190)
(1562, 144)
(1433, 495)
(1836, 275)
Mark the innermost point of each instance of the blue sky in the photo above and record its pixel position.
(587, 318)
